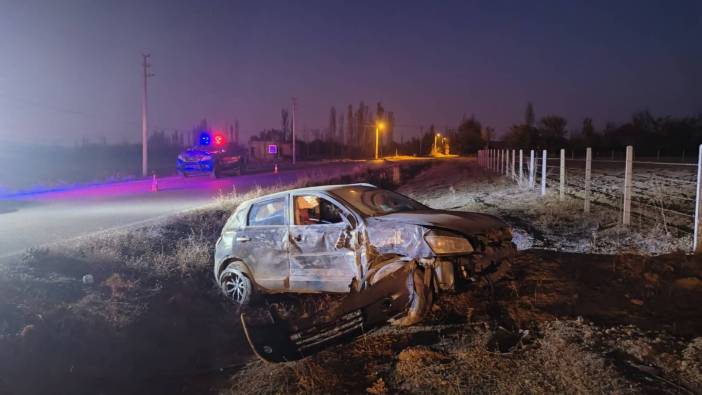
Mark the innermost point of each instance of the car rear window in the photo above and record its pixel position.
(269, 212)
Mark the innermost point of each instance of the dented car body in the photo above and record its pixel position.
(386, 252)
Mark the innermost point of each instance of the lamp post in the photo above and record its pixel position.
(378, 127)
(435, 146)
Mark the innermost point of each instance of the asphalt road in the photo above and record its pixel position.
(36, 220)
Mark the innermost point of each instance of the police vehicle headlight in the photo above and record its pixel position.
(447, 243)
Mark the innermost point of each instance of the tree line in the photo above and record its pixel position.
(349, 133)
(651, 135)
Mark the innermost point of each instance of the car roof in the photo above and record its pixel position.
(319, 188)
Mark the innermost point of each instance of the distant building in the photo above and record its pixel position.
(269, 150)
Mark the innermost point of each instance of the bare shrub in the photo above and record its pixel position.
(306, 377)
(118, 285)
(422, 370)
(117, 313)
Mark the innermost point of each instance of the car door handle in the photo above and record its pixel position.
(242, 239)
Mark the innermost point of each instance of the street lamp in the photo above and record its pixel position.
(435, 137)
(378, 127)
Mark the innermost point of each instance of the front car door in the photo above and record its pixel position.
(322, 257)
(264, 242)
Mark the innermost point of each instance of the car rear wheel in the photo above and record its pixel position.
(236, 286)
(216, 173)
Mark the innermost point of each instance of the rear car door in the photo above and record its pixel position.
(263, 244)
(322, 257)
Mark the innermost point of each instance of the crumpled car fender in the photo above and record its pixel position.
(400, 296)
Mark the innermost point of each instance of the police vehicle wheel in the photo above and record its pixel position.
(216, 173)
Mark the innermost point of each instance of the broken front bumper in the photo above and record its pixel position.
(401, 295)
(455, 272)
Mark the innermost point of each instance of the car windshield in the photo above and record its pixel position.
(374, 202)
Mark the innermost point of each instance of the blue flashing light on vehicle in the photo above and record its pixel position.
(213, 155)
(205, 139)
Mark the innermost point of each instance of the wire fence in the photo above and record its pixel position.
(654, 192)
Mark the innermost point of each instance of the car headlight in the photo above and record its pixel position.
(206, 158)
(447, 243)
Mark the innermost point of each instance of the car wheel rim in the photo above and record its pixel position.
(235, 287)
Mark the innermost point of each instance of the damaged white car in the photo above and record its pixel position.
(388, 253)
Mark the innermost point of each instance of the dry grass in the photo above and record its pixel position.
(303, 377)
(690, 366)
(563, 359)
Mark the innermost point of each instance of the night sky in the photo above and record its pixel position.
(70, 69)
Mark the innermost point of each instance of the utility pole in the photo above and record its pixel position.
(294, 102)
(144, 117)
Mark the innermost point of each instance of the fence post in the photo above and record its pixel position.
(500, 159)
(521, 166)
(561, 187)
(697, 239)
(396, 175)
(588, 175)
(514, 157)
(502, 162)
(506, 162)
(626, 218)
(531, 170)
(544, 167)
(492, 160)
(497, 161)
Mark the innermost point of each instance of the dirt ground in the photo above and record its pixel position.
(588, 307)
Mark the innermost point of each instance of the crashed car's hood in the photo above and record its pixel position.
(457, 221)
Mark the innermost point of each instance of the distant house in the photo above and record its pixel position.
(269, 150)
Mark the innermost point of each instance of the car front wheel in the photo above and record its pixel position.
(236, 286)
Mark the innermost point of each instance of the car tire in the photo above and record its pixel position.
(184, 174)
(236, 286)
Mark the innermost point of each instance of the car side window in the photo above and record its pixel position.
(269, 212)
(313, 210)
(237, 220)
